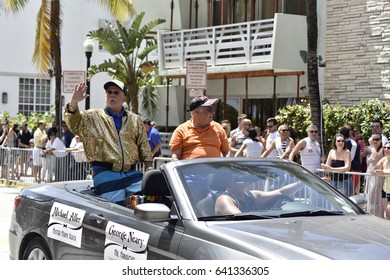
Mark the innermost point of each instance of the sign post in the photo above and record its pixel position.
(196, 77)
(70, 78)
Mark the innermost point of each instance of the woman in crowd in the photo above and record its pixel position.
(253, 146)
(283, 145)
(374, 184)
(53, 144)
(9, 139)
(338, 162)
(79, 171)
(382, 168)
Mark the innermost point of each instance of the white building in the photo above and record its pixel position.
(248, 85)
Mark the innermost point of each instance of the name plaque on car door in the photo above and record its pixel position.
(66, 224)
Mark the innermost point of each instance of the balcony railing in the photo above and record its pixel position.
(255, 45)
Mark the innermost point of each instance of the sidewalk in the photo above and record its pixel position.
(7, 195)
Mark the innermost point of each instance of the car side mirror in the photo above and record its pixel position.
(152, 212)
(360, 200)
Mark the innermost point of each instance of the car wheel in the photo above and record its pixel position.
(36, 249)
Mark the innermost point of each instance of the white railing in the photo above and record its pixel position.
(271, 44)
(241, 43)
(165, 138)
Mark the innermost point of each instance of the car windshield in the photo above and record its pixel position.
(263, 189)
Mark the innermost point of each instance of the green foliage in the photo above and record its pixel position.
(130, 49)
(32, 120)
(359, 116)
(298, 117)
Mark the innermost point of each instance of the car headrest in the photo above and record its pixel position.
(220, 181)
(154, 183)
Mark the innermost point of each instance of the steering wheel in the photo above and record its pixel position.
(276, 202)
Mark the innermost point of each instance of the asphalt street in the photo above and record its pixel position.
(7, 195)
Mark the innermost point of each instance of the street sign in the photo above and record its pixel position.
(70, 78)
(196, 75)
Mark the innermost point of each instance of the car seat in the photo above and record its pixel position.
(154, 188)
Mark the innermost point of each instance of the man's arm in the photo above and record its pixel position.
(269, 150)
(155, 150)
(176, 155)
(300, 146)
(225, 205)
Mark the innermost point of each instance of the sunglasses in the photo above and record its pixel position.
(386, 148)
(210, 109)
(109, 92)
(270, 126)
(376, 139)
(284, 130)
(375, 126)
(338, 141)
(313, 131)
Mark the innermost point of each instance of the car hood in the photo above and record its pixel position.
(330, 237)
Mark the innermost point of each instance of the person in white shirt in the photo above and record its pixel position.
(79, 171)
(282, 145)
(253, 146)
(377, 127)
(271, 133)
(240, 118)
(309, 150)
(53, 146)
(238, 139)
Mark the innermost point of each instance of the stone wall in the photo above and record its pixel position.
(357, 51)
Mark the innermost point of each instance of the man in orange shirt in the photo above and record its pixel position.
(200, 136)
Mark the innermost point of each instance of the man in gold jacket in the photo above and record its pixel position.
(114, 141)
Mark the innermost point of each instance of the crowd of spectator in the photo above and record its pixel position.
(349, 153)
(40, 154)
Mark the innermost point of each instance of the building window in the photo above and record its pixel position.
(34, 96)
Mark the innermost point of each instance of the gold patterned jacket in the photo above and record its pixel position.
(102, 141)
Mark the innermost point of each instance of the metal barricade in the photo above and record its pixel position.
(367, 185)
(17, 166)
(158, 161)
(165, 138)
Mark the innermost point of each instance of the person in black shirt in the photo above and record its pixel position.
(356, 164)
(24, 137)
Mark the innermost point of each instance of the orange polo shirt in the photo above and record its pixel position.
(210, 142)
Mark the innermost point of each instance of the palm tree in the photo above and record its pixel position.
(47, 51)
(130, 64)
(312, 70)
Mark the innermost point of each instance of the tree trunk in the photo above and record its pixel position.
(312, 71)
(56, 57)
(132, 96)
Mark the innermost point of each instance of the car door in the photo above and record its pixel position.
(112, 232)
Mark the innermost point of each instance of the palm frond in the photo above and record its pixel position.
(42, 51)
(146, 29)
(108, 38)
(120, 9)
(135, 25)
(123, 34)
(108, 66)
(14, 6)
(148, 66)
(147, 50)
(149, 100)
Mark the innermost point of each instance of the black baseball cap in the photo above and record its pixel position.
(202, 101)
